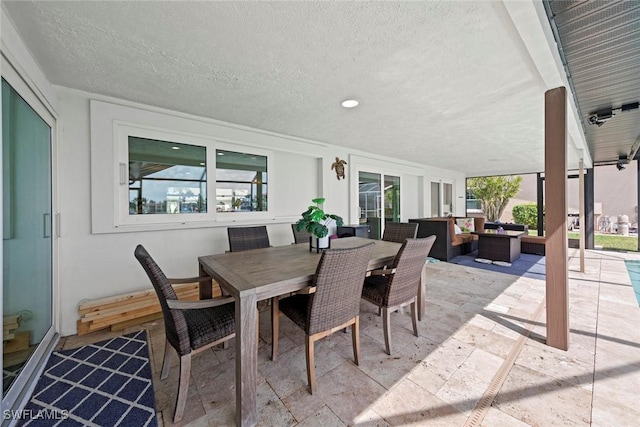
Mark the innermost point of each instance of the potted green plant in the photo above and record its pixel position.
(315, 221)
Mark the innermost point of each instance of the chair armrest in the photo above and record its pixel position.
(306, 291)
(192, 305)
(190, 280)
(383, 272)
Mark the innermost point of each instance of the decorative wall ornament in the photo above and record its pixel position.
(338, 165)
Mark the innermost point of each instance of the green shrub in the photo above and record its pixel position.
(526, 214)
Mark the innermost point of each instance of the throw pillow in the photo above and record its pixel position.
(467, 225)
(457, 229)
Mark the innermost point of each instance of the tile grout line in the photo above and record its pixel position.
(482, 407)
(595, 346)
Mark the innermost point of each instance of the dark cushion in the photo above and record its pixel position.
(296, 308)
(374, 289)
(210, 324)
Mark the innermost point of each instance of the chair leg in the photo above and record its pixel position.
(166, 361)
(386, 319)
(379, 311)
(183, 387)
(355, 338)
(275, 327)
(414, 316)
(311, 365)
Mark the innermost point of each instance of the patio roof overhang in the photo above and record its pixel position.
(455, 85)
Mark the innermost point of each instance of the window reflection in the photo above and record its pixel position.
(241, 182)
(166, 177)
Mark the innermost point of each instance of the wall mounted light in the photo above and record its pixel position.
(600, 117)
(623, 161)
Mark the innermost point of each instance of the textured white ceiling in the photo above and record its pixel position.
(448, 84)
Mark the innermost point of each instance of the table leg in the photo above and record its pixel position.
(422, 290)
(246, 360)
(205, 288)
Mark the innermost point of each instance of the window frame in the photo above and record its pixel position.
(123, 220)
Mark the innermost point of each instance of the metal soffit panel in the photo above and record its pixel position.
(599, 42)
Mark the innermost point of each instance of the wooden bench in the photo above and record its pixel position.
(532, 245)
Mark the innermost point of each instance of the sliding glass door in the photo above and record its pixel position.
(377, 191)
(27, 236)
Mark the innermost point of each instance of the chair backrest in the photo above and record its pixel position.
(339, 278)
(300, 236)
(403, 284)
(175, 324)
(398, 231)
(246, 238)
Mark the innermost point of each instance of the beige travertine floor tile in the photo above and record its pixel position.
(490, 341)
(272, 412)
(538, 399)
(323, 417)
(378, 365)
(558, 364)
(302, 404)
(610, 412)
(289, 372)
(448, 357)
(348, 391)
(369, 418)
(495, 418)
(409, 404)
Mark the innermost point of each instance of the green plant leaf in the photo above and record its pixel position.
(318, 201)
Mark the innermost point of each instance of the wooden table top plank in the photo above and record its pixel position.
(271, 271)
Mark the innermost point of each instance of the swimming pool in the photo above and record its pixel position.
(633, 268)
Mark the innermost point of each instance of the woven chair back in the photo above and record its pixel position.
(247, 238)
(300, 236)
(399, 231)
(404, 284)
(338, 280)
(175, 324)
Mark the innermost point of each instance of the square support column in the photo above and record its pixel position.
(555, 165)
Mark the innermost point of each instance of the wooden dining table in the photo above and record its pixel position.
(260, 274)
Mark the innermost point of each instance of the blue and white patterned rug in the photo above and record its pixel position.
(108, 383)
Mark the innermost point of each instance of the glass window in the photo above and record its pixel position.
(166, 177)
(241, 182)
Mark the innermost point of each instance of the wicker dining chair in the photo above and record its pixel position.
(398, 231)
(391, 289)
(331, 304)
(246, 238)
(300, 236)
(190, 326)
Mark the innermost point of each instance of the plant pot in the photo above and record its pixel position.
(319, 243)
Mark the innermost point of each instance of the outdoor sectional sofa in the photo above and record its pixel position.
(448, 244)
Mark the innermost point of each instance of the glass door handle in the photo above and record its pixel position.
(46, 226)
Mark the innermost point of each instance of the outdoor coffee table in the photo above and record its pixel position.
(499, 245)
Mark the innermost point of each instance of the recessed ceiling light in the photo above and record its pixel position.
(349, 103)
(175, 148)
